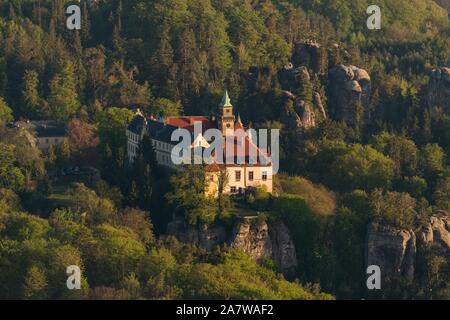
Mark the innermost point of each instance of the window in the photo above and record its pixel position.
(251, 175)
(211, 178)
(237, 175)
(233, 189)
(264, 175)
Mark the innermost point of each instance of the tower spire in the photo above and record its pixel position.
(226, 101)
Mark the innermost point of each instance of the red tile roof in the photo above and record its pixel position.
(187, 122)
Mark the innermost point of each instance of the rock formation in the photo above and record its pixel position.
(311, 55)
(303, 115)
(394, 250)
(439, 89)
(204, 236)
(257, 238)
(350, 88)
(436, 232)
(252, 237)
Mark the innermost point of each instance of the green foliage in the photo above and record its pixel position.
(190, 195)
(432, 160)
(5, 112)
(194, 48)
(320, 200)
(394, 208)
(31, 98)
(441, 194)
(111, 125)
(348, 167)
(166, 108)
(63, 100)
(10, 174)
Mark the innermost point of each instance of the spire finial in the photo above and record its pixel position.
(239, 118)
(226, 102)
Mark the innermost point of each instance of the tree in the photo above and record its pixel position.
(30, 92)
(189, 195)
(305, 91)
(63, 100)
(441, 195)
(223, 200)
(145, 172)
(394, 208)
(432, 159)
(124, 90)
(112, 124)
(11, 177)
(62, 155)
(401, 150)
(35, 286)
(83, 139)
(5, 112)
(86, 202)
(166, 108)
(362, 168)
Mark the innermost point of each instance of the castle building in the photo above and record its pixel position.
(42, 133)
(241, 177)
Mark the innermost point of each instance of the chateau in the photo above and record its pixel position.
(241, 177)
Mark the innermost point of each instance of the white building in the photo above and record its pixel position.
(241, 177)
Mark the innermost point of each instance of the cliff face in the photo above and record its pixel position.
(204, 236)
(350, 88)
(252, 237)
(311, 55)
(395, 250)
(437, 232)
(259, 239)
(304, 114)
(392, 250)
(439, 89)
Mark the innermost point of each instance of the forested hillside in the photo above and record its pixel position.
(352, 165)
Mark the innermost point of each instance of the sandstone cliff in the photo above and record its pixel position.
(392, 250)
(395, 250)
(350, 89)
(257, 238)
(303, 115)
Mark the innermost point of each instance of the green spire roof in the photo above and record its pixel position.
(226, 102)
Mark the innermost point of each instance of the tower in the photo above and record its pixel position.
(226, 119)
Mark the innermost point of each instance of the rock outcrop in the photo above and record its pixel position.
(283, 248)
(303, 115)
(394, 250)
(252, 237)
(310, 54)
(350, 89)
(436, 232)
(203, 236)
(439, 89)
(257, 238)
